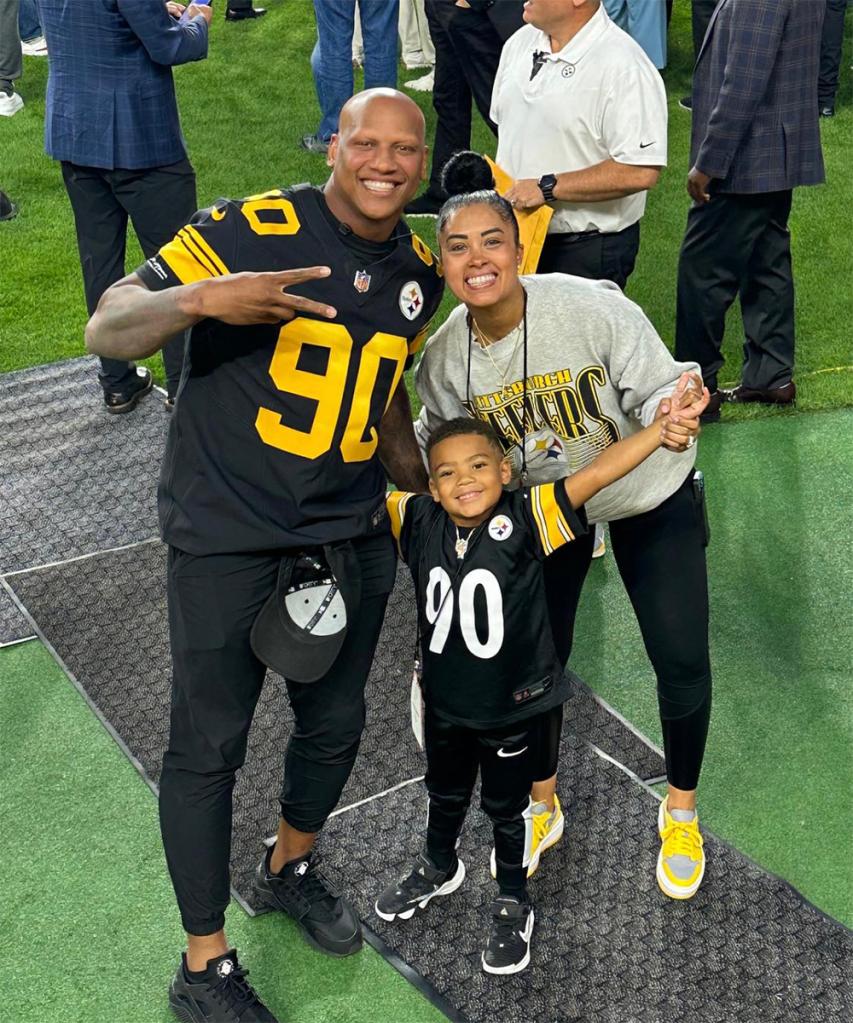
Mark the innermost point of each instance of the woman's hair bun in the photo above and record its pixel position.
(466, 172)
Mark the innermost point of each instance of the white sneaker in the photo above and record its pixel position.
(10, 104)
(599, 547)
(35, 47)
(415, 61)
(422, 84)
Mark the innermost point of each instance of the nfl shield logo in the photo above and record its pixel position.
(411, 300)
(361, 282)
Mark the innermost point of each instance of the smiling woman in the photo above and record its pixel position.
(563, 367)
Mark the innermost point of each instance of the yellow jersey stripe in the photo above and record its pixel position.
(192, 236)
(539, 519)
(396, 503)
(554, 530)
(183, 263)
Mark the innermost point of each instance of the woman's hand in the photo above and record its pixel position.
(680, 414)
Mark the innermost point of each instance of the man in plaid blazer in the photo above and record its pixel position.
(755, 138)
(111, 118)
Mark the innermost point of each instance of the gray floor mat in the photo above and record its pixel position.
(608, 947)
(13, 623)
(105, 616)
(75, 479)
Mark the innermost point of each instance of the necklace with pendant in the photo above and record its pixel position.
(461, 545)
(486, 342)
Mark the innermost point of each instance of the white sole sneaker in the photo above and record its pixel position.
(449, 886)
(681, 892)
(522, 964)
(10, 105)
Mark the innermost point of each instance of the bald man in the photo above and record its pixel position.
(303, 307)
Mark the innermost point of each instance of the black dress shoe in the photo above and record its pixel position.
(827, 110)
(241, 13)
(783, 395)
(118, 402)
(712, 409)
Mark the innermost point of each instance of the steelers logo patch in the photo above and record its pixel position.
(500, 528)
(411, 300)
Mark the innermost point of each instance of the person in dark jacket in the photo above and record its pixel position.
(111, 119)
(755, 138)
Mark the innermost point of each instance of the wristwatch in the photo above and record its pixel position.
(547, 183)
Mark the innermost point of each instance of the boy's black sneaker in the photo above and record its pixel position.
(326, 920)
(420, 886)
(222, 996)
(508, 948)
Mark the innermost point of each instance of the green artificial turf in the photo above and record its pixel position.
(245, 107)
(776, 779)
(90, 929)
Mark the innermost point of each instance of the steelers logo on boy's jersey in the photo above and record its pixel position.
(488, 653)
(274, 438)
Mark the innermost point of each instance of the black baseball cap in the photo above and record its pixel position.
(301, 628)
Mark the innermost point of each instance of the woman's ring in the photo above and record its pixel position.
(691, 441)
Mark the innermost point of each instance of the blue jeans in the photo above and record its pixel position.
(331, 61)
(29, 26)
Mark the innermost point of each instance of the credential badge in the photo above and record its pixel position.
(361, 281)
(411, 300)
(500, 528)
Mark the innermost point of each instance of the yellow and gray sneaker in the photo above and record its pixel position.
(547, 827)
(681, 861)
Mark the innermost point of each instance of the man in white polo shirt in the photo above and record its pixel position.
(582, 119)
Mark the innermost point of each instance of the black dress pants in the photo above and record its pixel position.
(216, 683)
(700, 16)
(738, 245)
(651, 550)
(831, 43)
(468, 46)
(158, 201)
(596, 256)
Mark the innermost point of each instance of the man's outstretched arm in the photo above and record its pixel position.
(132, 322)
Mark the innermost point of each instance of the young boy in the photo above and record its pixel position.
(490, 669)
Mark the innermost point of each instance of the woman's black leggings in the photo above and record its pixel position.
(661, 558)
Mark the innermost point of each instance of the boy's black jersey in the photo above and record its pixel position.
(274, 437)
(486, 643)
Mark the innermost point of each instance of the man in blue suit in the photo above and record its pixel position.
(755, 138)
(112, 120)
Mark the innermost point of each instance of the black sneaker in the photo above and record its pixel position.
(418, 888)
(508, 948)
(424, 206)
(8, 209)
(118, 402)
(686, 102)
(327, 921)
(223, 996)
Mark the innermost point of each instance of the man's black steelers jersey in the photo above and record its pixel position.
(487, 649)
(274, 437)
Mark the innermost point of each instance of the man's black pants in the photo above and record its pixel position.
(468, 47)
(659, 554)
(158, 201)
(738, 245)
(216, 683)
(596, 256)
(506, 758)
(831, 45)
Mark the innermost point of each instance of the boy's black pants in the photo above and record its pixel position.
(507, 758)
(216, 683)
